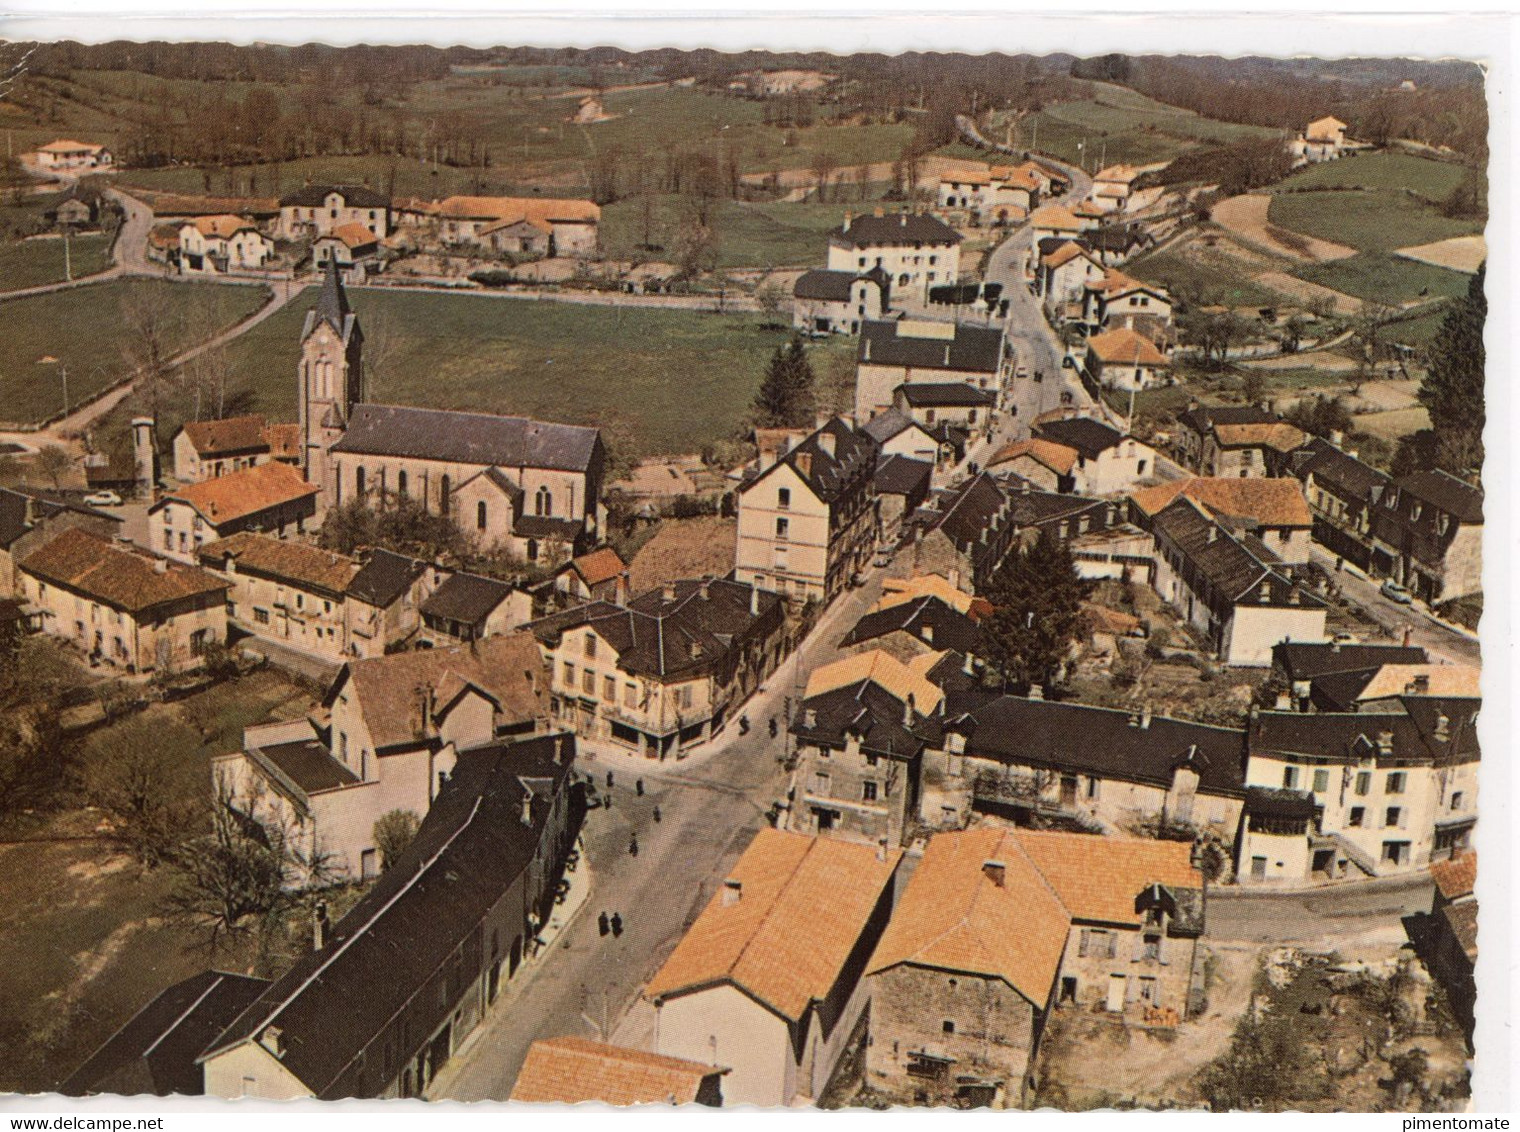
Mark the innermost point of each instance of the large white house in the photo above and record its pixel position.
(916, 251)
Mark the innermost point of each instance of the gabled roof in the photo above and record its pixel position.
(1323, 129)
(1443, 681)
(881, 669)
(870, 713)
(803, 904)
(891, 231)
(926, 619)
(307, 566)
(1056, 217)
(1057, 457)
(64, 145)
(352, 235)
(1456, 877)
(601, 565)
(155, 1051)
(1446, 492)
(332, 307)
(1278, 434)
(1098, 877)
(354, 196)
(129, 579)
(227, 436)
(898, 342)
(472, 847)
(1273, 502)
(892, 422)
(1087, 435)
(902, 475)
(1103, 742)
(950, 394)
(1203, 418)
(1065, 252)
(1236, 564)
(1306, 661)
(468, 438)
(466, 598)
(827, 286)
(243, 493)
(897, 591)
(384, 577)
(1123, 346)
(508, 668)
(1339, 472)
(220, 227)
(954, 916)
(540, 212)
(1354, 736)
(830, 461)
(43, 505)
(572, 1070)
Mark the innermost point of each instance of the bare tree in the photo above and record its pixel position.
(769, 298)
(53, 461)
(150, 328)
(382, 342)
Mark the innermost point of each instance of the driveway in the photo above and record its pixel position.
(1436, 637)
(1319, 918)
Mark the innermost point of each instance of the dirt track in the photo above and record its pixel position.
(1246, 217)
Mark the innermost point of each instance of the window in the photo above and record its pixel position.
(683, 698)
(588, 682)
(1363, 783)
(300, 601)
(784, 498)
(1456, 799)
(445, 489)
(947, 1026)
(782, 527)
(343, 746)
(1321, 781)
(1290, 778)
(359, 479)
(480, 515)
(1395, 852)
(261, 616)
(868, 791)
(1395, 783)
(630, 695)
(1357, 816)
(609, 689)
(543, 502)
(1391, 818)
(569, 675)
(590, 647)
(1140, 468)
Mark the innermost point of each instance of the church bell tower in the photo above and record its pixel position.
(331, 379)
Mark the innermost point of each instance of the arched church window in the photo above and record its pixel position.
(359, 480)
(480, 515)
(401, 482)
(443, 496)
(543, 503)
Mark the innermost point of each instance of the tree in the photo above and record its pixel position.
(400, 524)
(1321, 416)
(769, 298)
(150, 328)
(786, 396)
(1037, 613)
(1452, 389)
(394, 831)
(53, 460)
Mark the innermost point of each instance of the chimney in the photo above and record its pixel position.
(559, 750)
(826, 442)
(1385, 743)
(1335, 646)
(668, 591)
(881, 850)
(868, 350)
(908, 711)
(704, 589)
(160, 565)
(733, 892)
(273, 1039)
(31, 511)
(926, 631)
(1145, 718)
(968, 668)
(527, 808)
(1284, 702)
(902, 218)
(620, 589)
(804, 463)
(1419, 686)
(1213, 533)
(1443, 728)
(995, 871)
(878, 211)
(319, 925)
(754, 600)
(1264, 595)
(810, 718)
(849, 218)
(1036, 692)
(1337, 437)
(947, 355)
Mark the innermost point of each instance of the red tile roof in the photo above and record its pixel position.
(243, 493)
(128, 579)
(571, 1070)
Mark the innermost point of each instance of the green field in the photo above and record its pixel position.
(748, 234)
(1380, 171)
(1386, 278)
(1202, 283)
(1418, 331)
(662, 381)
(1373, 221)
(32, 263)
(86, 328)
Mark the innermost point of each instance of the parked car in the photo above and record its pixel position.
(1344, 638)
(1396, 593)
(103, 499)
(1021, 373)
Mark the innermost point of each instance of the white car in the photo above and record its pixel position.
(103, 499)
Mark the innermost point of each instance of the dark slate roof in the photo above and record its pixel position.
(1049, 244)
(1114, 237)
(826, 286)
(309, 765)
(1448, 727)
(902, 475)
(1202, 419)
(354, 196)
(970, 509)
(884, 426)
(1442, 490)
(926, 619)
(1098, 741)
(466, 598)
(1090, 437)
(902, 228)
(155, 1051)
(952, 393)
(332, 308)
(1270, 802)
(870, 711)
(1301, 661)
(974, 349)
(675, 631)
(385, 577)
(468, 438)
(470, 850)
(1334, 736)
(46, 505)
(1235, 564)
(548, 526)
(831, 474)
(1344, 475)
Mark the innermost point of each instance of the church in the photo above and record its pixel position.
(532, 487)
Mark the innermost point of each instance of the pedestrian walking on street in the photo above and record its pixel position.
(638, 787)
(773, 727)
(744, 725)
(609, 780)
(657, 815)
(633, 846)
(617, 925)
(601, 924)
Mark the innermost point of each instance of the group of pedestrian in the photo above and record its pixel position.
(613, 924)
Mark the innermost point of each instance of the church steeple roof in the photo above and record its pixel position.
(332, 307)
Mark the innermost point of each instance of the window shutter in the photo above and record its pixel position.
(1082, 946)
(1139, 948)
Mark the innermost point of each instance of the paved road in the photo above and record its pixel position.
(710, 809)
(1317, 917)
(1434, 636)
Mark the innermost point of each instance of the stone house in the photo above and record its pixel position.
(284, 591)
(1329, 676)
(1127, 360)
(955, 405)
(387, 736)
(1065, 270)
(468, 607)
(1427, 531)
(507, 820)
(1114, 244)
(1116, 300)
(319, 210)
(385, 599)
(1382, 792)
(1343, 494)
(1451, 944)
(900, 435)
(901, 485)
(1043, 463)
(1113, 186)
(1002, 195)
(69, 154)
(507, 225)
(768, 980)
(839, 302)
(912, 351)
(345, 246)
(1323, 139)
(919, 615)
(963, 979)
(210, 245)
(573, 1070)
(860, 735)
(29, 518)
(667, 670)
(1229, 586)
(1107, 461)
(267, 497)
(1274, 510)
(1020, 759)
(915, 251)
(204, 450)
(122, 606)
(601, 575)
(1235, 441)
(808, 521)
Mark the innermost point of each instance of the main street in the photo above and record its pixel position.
(1316, 917)
(1434, 636)
(710, 806)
